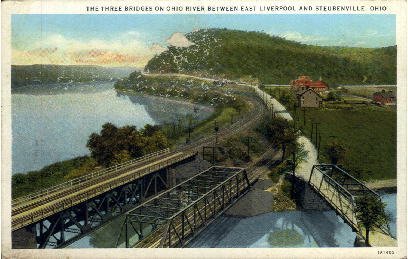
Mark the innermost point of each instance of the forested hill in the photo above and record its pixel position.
(44, 74)
(240, 54)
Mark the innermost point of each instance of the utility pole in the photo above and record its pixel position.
(318, 146)
(315, 131)
(248, 142)
(174, 128)
(216, 129)
(311, 133)
(179, 124)
(189, 129)
(304, 116)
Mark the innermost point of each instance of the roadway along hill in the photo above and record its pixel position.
(240, 54)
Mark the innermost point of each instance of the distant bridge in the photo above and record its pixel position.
(61, 214)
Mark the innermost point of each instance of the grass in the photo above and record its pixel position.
(23, 184)
(367, 91)
(368, 133)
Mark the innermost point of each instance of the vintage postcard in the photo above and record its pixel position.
(249, 129)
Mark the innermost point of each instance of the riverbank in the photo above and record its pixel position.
(387, 186)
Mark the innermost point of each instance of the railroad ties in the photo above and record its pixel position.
(175, 216)
(58, 216)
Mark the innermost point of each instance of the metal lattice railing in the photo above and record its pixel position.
(51, 207)
(340, 190)
(88, 177)
(182, 210)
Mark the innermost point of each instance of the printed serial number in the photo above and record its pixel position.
(385, 252)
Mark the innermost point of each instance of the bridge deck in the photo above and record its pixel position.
(36, 209)
(174, 216)
(340, 190)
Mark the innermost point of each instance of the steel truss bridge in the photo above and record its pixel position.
(62, 214)
(340, 190)
(174, 217)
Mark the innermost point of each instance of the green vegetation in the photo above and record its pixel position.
(335, 152)
(51, 175)
(285, 238)
(371, 214)
(367, 133)
(283, 94)
(243, 148)
(117, 145)
(45, 74)
(367, 91)
(228, 105)
(254, 55)
(279, 132)
(191, 89)
(113, 145)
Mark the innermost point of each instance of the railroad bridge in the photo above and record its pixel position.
(60, 215)
(173, 218)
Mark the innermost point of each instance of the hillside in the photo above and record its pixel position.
(45, 74)
(239, 54)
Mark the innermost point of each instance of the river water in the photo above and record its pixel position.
(285, 229)
(52, 123)
(274, 229)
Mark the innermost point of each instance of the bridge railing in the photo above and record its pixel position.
(355, 181)
(335, 194)
(87, 177)
(188, 205)
(44, 211)
(188, 222)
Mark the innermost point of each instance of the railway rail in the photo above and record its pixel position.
(69, 197)
(34, 207)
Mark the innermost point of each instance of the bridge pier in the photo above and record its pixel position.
(24, 238)
(68, 218)
(306, 197)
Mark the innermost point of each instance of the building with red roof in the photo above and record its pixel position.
(305, 82)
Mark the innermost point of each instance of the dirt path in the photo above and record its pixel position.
(304, 168)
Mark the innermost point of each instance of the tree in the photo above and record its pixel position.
(279, 132)
(299, 154)
(370, 212)
(336, 151)
(116, 145)
(333, 96)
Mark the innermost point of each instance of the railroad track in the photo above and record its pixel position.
(257, 111)
(56, 194)
(35, 212)
(49, 202)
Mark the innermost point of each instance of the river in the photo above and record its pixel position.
(285, 229)
(273, 229)
(52, 123)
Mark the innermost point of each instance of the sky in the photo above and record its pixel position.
(131, 40)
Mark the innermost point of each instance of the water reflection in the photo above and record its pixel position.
(164, 110)
(53, 123)
(306, 229)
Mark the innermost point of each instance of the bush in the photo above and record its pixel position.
(113, 144)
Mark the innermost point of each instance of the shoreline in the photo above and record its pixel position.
(172, 99)
(387, 185)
